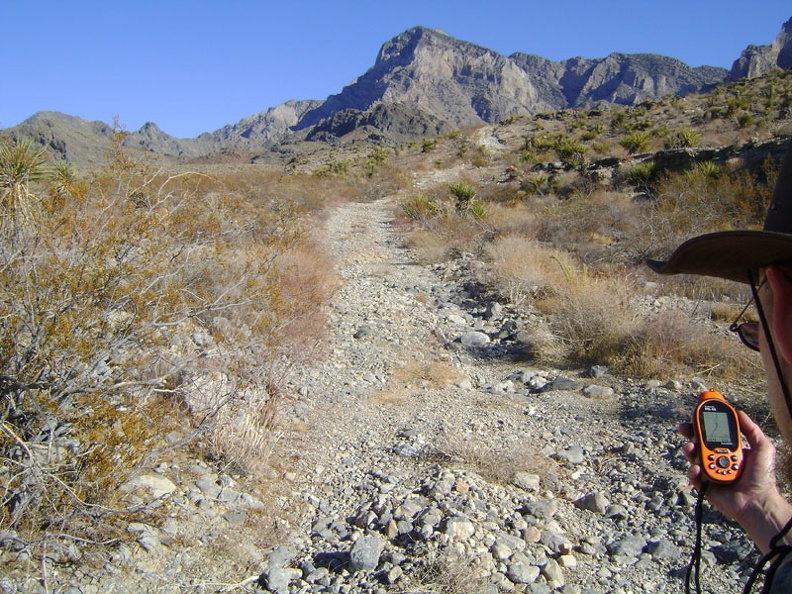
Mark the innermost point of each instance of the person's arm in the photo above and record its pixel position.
(754, 501)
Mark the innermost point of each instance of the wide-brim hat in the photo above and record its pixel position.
(734, 255)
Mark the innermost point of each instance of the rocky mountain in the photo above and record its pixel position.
(757, 60)
(619, 78)
(464, 84)
(69, 138)
(423, 82)
(261, 130)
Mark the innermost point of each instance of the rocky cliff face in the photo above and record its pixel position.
(619, 78)
(457, 82)
(757, 60)
(386, 123)
(261, 130)
(463, 84)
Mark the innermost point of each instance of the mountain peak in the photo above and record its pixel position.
(756, 60)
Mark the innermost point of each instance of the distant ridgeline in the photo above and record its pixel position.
(423, 83)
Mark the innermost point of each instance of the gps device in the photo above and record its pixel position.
(716, 431)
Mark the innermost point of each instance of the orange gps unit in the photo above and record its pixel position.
(716, 431)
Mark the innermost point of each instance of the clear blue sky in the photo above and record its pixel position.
(195, 66)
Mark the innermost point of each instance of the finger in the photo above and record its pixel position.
(686, 429)
(753, 433)
(689, 451)
(694, 475)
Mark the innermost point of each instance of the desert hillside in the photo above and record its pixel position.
(439, 365)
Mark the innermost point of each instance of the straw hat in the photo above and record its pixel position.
(734, 254)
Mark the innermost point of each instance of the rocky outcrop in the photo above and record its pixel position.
(151, 138)
(457, 82)
(756, 60)
(462, 84)
(261, 130)
(619, 78)
(385, 123)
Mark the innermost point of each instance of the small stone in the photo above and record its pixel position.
(562, 384)
(526, 481)
(663, 550)
(567, 561)
(235, 518)
(278, 579)
(573, 454)
(629, 546)
(464, 384)
(532, 535)
(521, 570)
(598, 392)
(555, 576)
(393, 575)
(365, 553)
(459, 529)
(474, 339)
(594, 502)
(158, 486)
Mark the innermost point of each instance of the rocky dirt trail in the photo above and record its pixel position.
(422, 455)
(434, 461)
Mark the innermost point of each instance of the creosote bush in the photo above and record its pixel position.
(136, 303)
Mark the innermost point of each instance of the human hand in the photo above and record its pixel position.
(754, 500)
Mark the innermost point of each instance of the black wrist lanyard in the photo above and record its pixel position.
(777, 553)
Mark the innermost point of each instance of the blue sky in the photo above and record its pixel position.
(195, 66)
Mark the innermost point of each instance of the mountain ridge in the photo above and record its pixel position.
(429, 82)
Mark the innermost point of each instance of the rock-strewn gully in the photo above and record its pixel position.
(430, 459)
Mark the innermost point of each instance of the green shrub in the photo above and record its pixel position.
(478, 209)
(463, 194)
(688, 137)
(642, 174)
(21, 164)
(636, 142)
(428, 145)
(571, 152)
(376, 159)
(707, 169)
(536, 183)
(420, 207)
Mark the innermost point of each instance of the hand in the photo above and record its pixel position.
(754, 500)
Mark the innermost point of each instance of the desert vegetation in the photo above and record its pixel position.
(138, 302)
(574, 202)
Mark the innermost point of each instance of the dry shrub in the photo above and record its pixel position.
(516, 219)
(590, 225)
(128, 294)
(496, 463)
(703, 288)
(672, 345)
(426, 374)
(461, 233)
(428, 246)
(440, 573)
(522, 268)
(594, 318)
(692, 203)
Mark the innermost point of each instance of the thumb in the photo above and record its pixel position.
(752, 432)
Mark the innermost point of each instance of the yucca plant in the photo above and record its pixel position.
(20, 164)
(688, 137)
(635, 142)
(708, 169)
(463, 193)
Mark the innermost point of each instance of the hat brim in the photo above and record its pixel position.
(727, 254)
